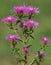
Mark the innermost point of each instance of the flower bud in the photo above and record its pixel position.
(25, 49)
(45, 40)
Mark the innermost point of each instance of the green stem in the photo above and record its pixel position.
(32, 62)
(38, 63)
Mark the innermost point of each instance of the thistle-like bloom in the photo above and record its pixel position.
(41, 54)
(30, 10)
(30, 23)
(45, 40)
(9, 19)
(19, 9)
(12, 37)
(25, 9)
(36, 10)
(25, 49)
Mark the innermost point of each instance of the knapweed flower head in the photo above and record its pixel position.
(30, 23)
(30, 10)
(12, 37)
(36, 10)
(25, 9)
(41, 54)
(25, 49)
(19, 9)
(45, 40)
(9, 19)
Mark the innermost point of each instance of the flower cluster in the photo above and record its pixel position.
(26, 28)
(25, 9)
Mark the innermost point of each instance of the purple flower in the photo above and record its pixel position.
(41, 54)
(25, 9)
(30, 23)
(25, 49)
(36, 10)
(45, 40)
(9, 19)
(30, 10)
(12, 37)
(19, 9)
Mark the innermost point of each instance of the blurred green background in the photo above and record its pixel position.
(44, 18)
